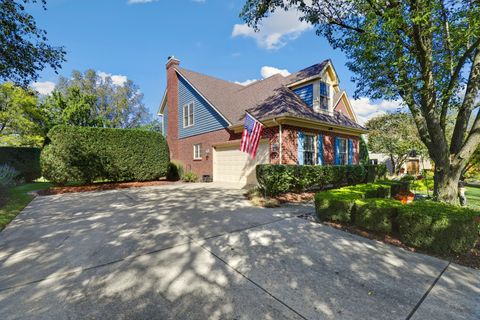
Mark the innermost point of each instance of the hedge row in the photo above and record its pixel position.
(84, 155)
(24, 160)
(427, 225)
(275, 179)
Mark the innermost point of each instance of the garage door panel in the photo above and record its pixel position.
(232, 165)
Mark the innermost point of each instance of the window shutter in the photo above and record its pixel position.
(337, 151)
(320, 149)
(350, 151)
(301, 138)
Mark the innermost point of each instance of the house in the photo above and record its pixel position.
(307, 118)
(413, 164)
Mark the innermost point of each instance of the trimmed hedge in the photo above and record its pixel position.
(24, 160)
(85, 155)
(276, 179)
(438, 227)
(427, 225)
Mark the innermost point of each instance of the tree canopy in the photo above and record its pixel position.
(394, 135)
(24, 48)
(424, 52)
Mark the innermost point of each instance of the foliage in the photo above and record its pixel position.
(363, 154)
(84, 155)
(472, 170)
(24, 50)
(16, 199)
(438, 227)
(394, 135)
(423, 53)
(25, 160)
(175, 171)
(190, 176)
(473, 197)
(277, 179)
(8, 176)
(94, 100)
(407, 177)
(432, 226)
(19, 117)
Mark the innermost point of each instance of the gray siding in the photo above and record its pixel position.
(205, 118)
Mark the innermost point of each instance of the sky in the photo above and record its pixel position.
(133, 39)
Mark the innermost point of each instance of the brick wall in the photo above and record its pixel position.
(172, 103)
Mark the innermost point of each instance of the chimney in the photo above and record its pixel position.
(172, 106)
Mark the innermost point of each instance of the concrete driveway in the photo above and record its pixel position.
(202, 252)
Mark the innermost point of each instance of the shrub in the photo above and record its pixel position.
(8, 176)
(407, 177)
(375, 172)
(25, 160)
(83, 154)
(276, 179)
(376, 214)
(336, 205)
(438, 227)
(175, 171)
(190, 176)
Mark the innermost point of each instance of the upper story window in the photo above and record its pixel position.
(324, 95)
(342, 151)
(188, 115)
(309, 150)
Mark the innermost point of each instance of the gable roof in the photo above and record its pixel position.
(264, 99)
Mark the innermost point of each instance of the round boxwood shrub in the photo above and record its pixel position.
(84, 155)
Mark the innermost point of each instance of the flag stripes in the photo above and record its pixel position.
(252, 131)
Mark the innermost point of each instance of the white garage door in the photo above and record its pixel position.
(232, 165)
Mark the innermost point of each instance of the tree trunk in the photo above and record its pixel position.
(446, 185)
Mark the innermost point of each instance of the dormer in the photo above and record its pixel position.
(318, 90)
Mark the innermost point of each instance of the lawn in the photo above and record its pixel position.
(473, 197)
(17, 199)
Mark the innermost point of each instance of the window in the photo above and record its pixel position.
(309, 150)
(342, 151)
(197, 151)
(324, 95)
(188, 115)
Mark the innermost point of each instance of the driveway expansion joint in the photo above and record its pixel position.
(422, 299)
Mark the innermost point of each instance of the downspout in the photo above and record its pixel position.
(280, 138)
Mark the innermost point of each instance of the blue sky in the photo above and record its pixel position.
(133, 38)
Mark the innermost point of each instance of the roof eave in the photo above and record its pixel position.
(163, 103)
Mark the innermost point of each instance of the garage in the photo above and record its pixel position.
(232, 165)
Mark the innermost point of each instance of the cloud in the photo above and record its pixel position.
(117, 79)
(45, 87)
(266, 72)
(275, 30)
(367, 109)
(246, 82)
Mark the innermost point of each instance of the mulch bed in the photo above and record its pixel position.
(295, 197)
(470, 259)
(102, 186)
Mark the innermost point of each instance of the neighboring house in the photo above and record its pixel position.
(412, 165)
(308, 120)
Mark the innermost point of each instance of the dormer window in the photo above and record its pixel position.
(324, 95)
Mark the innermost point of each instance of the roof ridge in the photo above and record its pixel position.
(180, 69)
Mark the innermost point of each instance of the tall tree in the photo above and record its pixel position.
(421, 51)
(24, 50)
(20, 117)
(394, 135)
(88, 99)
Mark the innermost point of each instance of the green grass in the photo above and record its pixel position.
(473, 197)
(18, 198)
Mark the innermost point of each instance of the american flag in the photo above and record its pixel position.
(252, 130)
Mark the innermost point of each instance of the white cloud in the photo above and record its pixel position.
(246, 82)
(367, 109)
(45, 87)
(267, 71)
(117, 79)
(275, 30)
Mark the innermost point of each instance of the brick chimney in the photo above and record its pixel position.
(172, 104)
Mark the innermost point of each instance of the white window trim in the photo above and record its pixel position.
(187, 113)
(346, 150)
(199, 151)
(314, 148)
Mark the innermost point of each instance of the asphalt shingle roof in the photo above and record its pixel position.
(264, 99)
